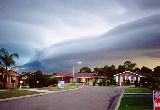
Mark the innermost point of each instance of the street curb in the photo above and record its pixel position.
(40, 94)
(118, 103)
(137, 93)
(20, 97)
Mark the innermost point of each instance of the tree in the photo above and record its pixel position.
(7, 60)
(85, 70)
(111, 71)
(53, 81)
(146, 70)
(38, 79)
(100, 71)
(121, 69)
(155, 81)
(96, 70)
(105, 69)
(148, 80)
(137, 70)
(113, 81)
(157, 70)
(129, 66)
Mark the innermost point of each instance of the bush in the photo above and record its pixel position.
(103, 82)
(108, 82)
(53, 81)
(113, 81)
(38, 79)
(100, 83)
(94, 82)
(136, 83)
(128, 82)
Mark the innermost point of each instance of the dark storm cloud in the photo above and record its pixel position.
(144, 4)
(54, 34)
(139, 35)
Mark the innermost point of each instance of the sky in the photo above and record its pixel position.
(53, 35)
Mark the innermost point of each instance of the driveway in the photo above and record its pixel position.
(86, 98)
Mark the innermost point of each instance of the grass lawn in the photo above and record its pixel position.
(132, 103)
(137, 90)
(56, 88)
(15, 93)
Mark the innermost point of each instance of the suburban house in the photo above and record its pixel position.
(13, 79)
(127, 75)
(79, 77)
(88, 78)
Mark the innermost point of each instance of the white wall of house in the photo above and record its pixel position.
(117, 79)
(126, 75)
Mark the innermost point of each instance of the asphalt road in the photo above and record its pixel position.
(87, 98)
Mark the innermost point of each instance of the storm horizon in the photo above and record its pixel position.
(53, 35)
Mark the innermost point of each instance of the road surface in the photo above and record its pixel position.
(86, 98)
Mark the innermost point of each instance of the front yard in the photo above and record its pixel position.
(134, 102)
(15, 93)
(137, 90)
(56, 88)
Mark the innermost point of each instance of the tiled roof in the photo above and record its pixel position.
(128, 72)
(64, 74)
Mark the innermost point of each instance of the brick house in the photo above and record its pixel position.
(13, 79)
(79, 77)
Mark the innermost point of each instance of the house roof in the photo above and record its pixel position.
(78, 75)
(10, 72)
(144, 74)
(129, 72)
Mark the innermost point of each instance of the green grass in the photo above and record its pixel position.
(132, 103)
(56, 88)
(137, 90)
(15, 93)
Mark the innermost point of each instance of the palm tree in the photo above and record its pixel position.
(6, 60)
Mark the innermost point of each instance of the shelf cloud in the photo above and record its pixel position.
(53, 35)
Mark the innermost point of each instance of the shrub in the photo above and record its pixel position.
(113, 81)
(38, 79)
(103, 82)
(94, 82)
(53, 81)
(128, 82)
(108, 82)
(136, 83)
(100, 83)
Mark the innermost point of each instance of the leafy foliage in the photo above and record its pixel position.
(38, 79)
(129, 66)
(7, 60)
(145, 70)
(85, 70)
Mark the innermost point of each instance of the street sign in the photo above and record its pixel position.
(61, 84)
(156, 99)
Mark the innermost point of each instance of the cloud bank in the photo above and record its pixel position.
(128, 41)
(52, 35)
